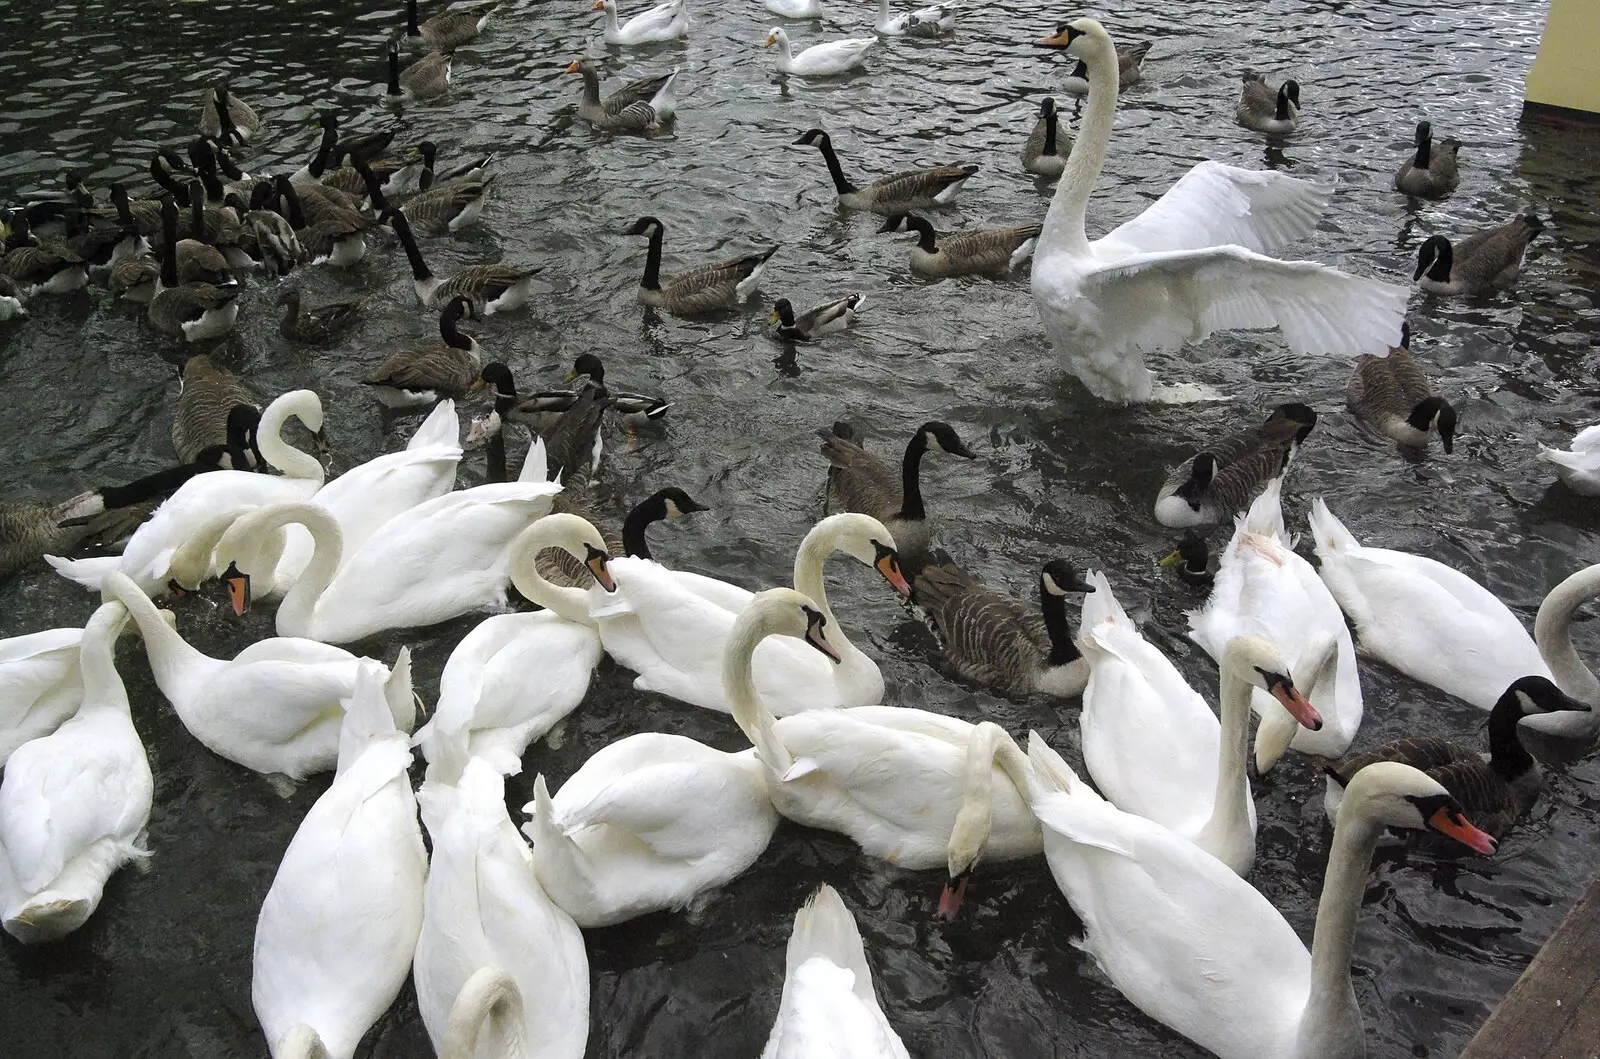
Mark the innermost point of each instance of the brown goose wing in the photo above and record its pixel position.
(858, 480)
(480, 283)
(915, 184)
(714, 286)
(987, 636)
(640, 91)
(431, 367)
(989, 250)
(201, 420)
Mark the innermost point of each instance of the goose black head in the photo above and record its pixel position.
(941, 437)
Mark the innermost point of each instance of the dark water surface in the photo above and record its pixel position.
(163, 969)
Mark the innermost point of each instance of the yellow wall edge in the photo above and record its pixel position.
(1567, 72)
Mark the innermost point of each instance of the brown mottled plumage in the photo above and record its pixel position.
(208, 395)
(1222, 479)
(702, 289)
(860, 481)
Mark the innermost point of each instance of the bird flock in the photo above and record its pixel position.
(386, 879)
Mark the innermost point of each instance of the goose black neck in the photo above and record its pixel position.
(394, 72)
(1424, 149)
(1081, 71)
(652, 261)
(842, 185)
(402, 231)
(150, 486)
(319, 161)
(291, 198)
(197, 212)
(1063, 649)
(634, 526)
(1049, 133)
(380, 205)
(911, 479)
(227, 132)
(1443, 262)
(494, 457)
(226, 164)
(928, 240)
(447, 327)
(158, 173)
(119, 199)
(169, 246)
(412, 29)
(212, 182)
(1421, 417)
(1282, 113)
(1507, 755)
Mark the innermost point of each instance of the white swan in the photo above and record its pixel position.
(1429, 621)
(274, 707)
(1154, 747)
(40, 685)
(339, 925)
(923, 22)
(74, 804)
(515, 676)
(1192, 263)
(673, 628)
(918, 789)
(668, 21)
(1578, 465)
(820, 60)
(829, 1007)
(483, 910)
(1264, 589)
(209, 500)
(1552, 631)
(441, 559)
(1197, 948)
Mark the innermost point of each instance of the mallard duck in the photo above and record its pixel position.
(191, 311)
(226, 118)
(491, 288)
(914, 189)
(1495, 789)
(1578, 465)
(317, 326)
(1479, 264)
(993, 639)
(1265, 110)
(638, 106)
(427, 373)
(472, 169)
(539, 409)
(1130, 61)
(1394, 395)
(1430, 173)
(668, 21)
(702, 289)
(825, 319)
(1192, 559)
(206, 399)
(923, 22)
(448, 29)
(860, 481)
(427, 78)
(989, 251)
(820, 60)
(1222, 479)
(1045, 151)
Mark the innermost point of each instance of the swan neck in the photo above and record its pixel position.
(1331, 1006)
(172, 658)
(102, 685)
(297, 613)
(269, 438)
(1063, 224)
(571, 604)
(1552, 631)
(739, 685)
(489, 998)
(1230, 803)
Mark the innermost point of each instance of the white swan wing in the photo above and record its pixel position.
(835, 56)
(681, 810)
(40, 685)
(1221, 205)
(1164, 299)
(822, 1015)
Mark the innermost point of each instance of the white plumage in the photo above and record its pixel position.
(820, 60)
(1578, 465)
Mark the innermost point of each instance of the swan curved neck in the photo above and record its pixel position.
(1229, 825)
(739, 685)
(1063, 224)
(808, 561)
(1331, 1010)
(297, 613)
(102, 685)
(1552, 631)
(172, 658)
(489, 998)
(269, 437)
(571, 604)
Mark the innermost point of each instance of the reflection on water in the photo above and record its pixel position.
(163, 969)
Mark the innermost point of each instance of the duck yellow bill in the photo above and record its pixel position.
(1462, 830)
(1298, 705)
(1172, 558)
(597, 567)
(239, 593)
(770, 41)
(889, 567)
(950, 898)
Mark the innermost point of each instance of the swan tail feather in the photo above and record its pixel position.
(367, 718)
(1329, 532)
(86, 572)
(398, 693)
(442, 427)
(1101, 605)
(1265, 516)
(824, 927)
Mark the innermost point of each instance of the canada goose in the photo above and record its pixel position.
(638, 106)
(39, 268)
(1264, 110)
(429, 177)
(338, 239)
(226, 118)
(1495, 789)
(1130, 60)
(491, 288)
(1222, 479)
(10, 300)
(191, 311)
(702, 289)
(427, 78)
(448, 29)
(836, 315)
(575, 442)
(198, 260)
(144, 215)
(1192, 559)
(101, 247)
(914, 189)
(438, 211)
(1045, 151)
(425, 374)
(1480, 263)
(1431, 173)
(276, 242)
(163, 176)
(860, 481)
(214, 158)
(1394, 395)
(993, 639)
(991, 251)
(358, 146)
(134, 280)
(207, 396)
(317, 326)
